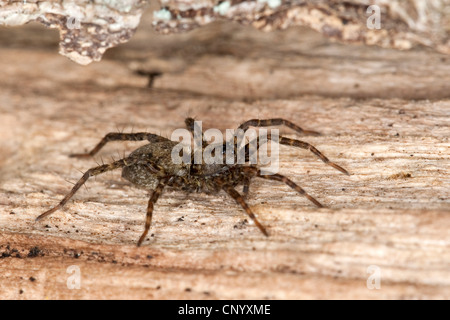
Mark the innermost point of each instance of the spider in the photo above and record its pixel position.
(151, 167)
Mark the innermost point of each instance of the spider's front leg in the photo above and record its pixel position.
(116, 136)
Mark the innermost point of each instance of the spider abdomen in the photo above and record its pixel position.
(140, 176)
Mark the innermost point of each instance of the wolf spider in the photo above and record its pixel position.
(151, 167)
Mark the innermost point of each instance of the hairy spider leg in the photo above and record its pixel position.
(290, 183)
(293, 143)
(275, 122)
(116, 136)
(253, 171)
(91, 172)
(246, 187)
(238, 198)
(191, 125)
(268, 123)
(155, 195)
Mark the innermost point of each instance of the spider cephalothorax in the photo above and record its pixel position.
(152, 167)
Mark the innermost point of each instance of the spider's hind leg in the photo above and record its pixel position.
(310, 147)
(293, 143)
(238, 198)
(275, 122)
(91, 172)
(290, 183)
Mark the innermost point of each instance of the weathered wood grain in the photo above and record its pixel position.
(392, 212)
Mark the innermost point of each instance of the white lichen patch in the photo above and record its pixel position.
(347, 21)
(162, 14)
(87, 28)
(106, 23)
(222, 8)
(271, 3)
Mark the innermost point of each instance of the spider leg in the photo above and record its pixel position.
(155, 195)
(193, 127)
(117, 136)
(307, 146)
(294, 143)
(91, 172)
(290, 183)
(246, 188)
(238, 198)
(274, 122)
(267, 123)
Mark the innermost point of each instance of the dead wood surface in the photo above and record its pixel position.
(384, 115)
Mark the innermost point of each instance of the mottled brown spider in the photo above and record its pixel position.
(151, 167)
